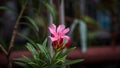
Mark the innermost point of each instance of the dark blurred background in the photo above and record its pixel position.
(102, 18)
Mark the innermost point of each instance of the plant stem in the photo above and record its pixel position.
(3, 49)
(14, 33)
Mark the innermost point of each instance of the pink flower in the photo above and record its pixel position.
(58, 35)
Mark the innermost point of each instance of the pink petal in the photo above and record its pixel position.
(60, 28)
(66, 30)
(52, 29)
(52, 26)
(52, 38)
(66, 37)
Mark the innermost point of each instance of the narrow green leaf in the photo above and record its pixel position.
(56, 55)
(21, 64)
(51, 9)
(31, 27)
(7, 8)
(67, 51)
(45, 42)
(23, 59)
(28, 39)
(32, 50)
(69, 62)
(59, 60)
(33, 23)
(44, 51)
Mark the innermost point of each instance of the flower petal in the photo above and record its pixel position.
(66, 37)
(53, 26)
(52, 38)
(52, 29)
(60, 28)
(66, 30)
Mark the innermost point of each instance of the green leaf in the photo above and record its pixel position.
(28, 39)
(69, 62)
(37, 37)
(33, 23)
(56, 56)
(24, 59)
(7, 8)
(45, 42)
(32, 50)
(67, 51)
(60, 56)
(21, 64)
(44, 51)
(51, 9)
(59, 60)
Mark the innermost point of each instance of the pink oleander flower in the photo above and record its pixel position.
(58, 36)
